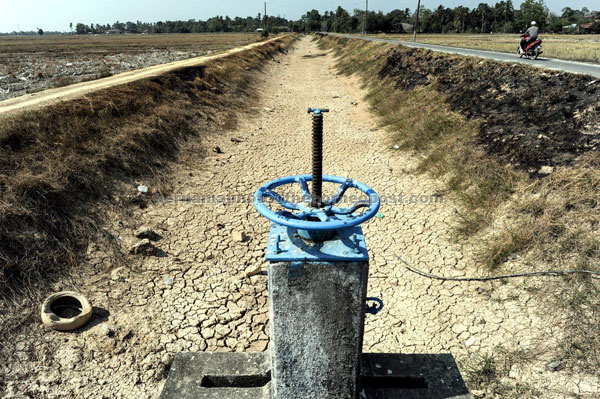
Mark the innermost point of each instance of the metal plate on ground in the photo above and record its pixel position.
(285, 245)
(245, 375)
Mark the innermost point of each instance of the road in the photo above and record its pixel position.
(548, 63)
(46, 97)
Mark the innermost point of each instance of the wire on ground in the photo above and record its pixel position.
(549, 273)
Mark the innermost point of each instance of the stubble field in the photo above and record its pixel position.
(30, 64)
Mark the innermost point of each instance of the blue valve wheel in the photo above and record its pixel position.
(302, 216)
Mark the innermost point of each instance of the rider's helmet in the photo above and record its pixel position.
(533, 23)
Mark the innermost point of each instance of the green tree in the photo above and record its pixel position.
(461, 15)
(81, 29)
(554, 23)
(532, 10)
(312, 20)
(484, 15)
(396, 18)
(341, 21)
(131, 27)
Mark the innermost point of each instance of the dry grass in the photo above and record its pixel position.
(423, 123)
(568, 47)
(60, 163)
(487, 373)
(553, 221)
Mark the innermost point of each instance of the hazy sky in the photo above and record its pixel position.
(53, 15)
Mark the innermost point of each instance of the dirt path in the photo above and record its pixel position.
(46, 97)
(210, 305)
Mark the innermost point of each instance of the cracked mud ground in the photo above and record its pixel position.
(143, 320)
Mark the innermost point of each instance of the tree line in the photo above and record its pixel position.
(213, 25)
(500, 17)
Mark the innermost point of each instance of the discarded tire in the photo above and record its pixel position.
(66, 311)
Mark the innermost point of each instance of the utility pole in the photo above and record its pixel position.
(365, 18)
(417, 22)
(482, 19)
(266, 19)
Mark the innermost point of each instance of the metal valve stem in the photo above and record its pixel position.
(316, 194)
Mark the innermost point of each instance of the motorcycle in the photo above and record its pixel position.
(532, 50)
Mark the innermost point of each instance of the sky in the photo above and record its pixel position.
(55, 15)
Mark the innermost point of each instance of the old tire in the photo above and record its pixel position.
(66, 311)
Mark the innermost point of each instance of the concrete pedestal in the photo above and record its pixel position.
(316, 313)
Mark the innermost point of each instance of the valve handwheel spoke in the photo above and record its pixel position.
(280, 200)
(304, 188)
(340, 193)
(350, 210)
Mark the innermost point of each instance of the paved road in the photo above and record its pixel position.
(549, 63)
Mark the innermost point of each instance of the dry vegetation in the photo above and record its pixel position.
(30, 63)
(550, 220)
(568, 47)
(62, 166)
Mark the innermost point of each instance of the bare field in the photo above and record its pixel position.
(567, 47)
(29, 64)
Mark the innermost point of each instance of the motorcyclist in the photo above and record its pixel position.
(530, 35)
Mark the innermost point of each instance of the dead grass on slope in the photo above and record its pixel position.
(60, 165)
(552, 220)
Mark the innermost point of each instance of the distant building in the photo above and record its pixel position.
(589, 27)
(569, 28)
(113, 32)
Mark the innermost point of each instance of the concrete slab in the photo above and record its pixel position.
(208, 375)
(247, 375)
(411, 376)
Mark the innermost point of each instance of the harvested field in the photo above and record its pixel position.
(566, 47)
(29, 64)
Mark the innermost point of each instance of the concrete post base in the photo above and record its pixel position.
(316, 313)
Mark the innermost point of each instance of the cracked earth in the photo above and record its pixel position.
(196, 296)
